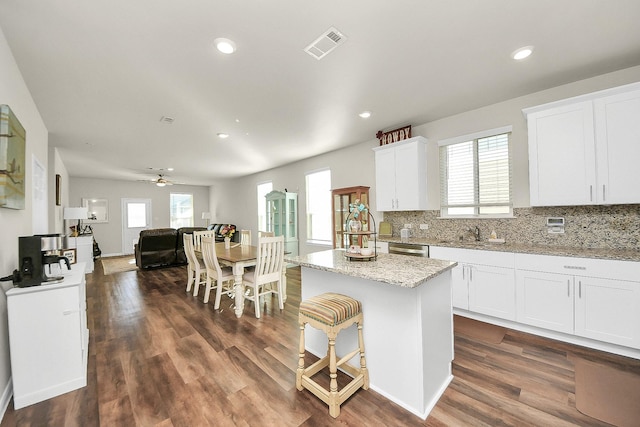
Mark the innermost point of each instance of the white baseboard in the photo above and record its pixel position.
(6, 398)
(113, 254)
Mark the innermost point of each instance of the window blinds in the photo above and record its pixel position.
(475, 177)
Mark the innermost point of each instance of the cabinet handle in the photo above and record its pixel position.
(464, 267)
(568, 288)
(591, 193)
(470, 273)
(580, 289)
(604, 195)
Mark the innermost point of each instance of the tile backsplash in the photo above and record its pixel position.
(613, 227)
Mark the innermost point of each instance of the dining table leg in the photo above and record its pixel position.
(238, 287)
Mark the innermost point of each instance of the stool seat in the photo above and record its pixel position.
(332, 312)
(330, 309)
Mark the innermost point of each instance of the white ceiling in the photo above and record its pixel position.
(103, 73)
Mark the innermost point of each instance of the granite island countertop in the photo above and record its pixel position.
(398, 270)
(579, 252)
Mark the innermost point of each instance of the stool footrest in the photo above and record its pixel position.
(323, 394)
(347, 357)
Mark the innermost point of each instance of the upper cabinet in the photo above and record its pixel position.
(583, 151)
(401, 175)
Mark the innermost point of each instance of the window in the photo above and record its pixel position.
(475, 175)
(319, 206)
(181, 206)
(262, 190)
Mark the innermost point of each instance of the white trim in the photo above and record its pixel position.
(476, 135)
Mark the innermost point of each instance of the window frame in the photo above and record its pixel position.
(171, 216)
(262, 204)
(323, 214)
(476, 205)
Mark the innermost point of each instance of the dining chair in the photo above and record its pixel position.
(266, 234)
(245, 237)
(198, 235)
(217, 277)
(266, 278)
(195, 269)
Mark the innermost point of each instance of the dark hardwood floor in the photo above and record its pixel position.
(160, 357)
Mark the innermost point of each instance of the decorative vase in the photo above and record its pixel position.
(227, 242)
(355, 225)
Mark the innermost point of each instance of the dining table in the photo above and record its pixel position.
(239, 257)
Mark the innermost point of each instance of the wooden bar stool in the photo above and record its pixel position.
(331, 313)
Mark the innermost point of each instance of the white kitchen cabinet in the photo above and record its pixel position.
(401, 175)
(482, 282)
(607, 310)
(545, 300)
(596, 299)
(48, 338)
(84, 250)
(618, 147)
(582, 150)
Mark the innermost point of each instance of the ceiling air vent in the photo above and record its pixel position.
(325, 43)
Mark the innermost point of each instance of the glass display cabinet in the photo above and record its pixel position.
(341, 198)
(282, 218)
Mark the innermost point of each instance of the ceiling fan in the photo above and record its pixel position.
(160, 181)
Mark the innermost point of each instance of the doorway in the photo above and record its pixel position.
(136, 216)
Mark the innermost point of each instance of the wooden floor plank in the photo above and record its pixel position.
(159, 356)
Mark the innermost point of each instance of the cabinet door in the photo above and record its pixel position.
(545, 300)
(618, 147)
(607, 310)
(47, 338)
(460, 287)
(562, 156)
(492, 291)
(410, 179)
(385, 179)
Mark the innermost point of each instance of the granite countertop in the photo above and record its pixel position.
(597, 253)
(398, 270)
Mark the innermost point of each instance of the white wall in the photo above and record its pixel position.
(235, 201)
(15, 223)
(109, 235)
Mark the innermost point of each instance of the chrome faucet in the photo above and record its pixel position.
(476, 233)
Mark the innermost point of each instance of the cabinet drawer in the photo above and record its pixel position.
(473, 256)
(612, 269)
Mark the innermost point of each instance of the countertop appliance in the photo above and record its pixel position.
(36, 252)
(410, 249)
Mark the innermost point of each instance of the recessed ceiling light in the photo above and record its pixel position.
(365, 114)
(225, 45)
(170, 169)
(223, 135)
(522, 53)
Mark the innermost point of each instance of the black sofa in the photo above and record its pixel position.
(164, 247)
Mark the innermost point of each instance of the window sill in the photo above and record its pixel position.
(477, 217)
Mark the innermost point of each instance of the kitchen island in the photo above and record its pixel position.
(408, 323)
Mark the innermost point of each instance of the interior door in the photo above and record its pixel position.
(136, 216)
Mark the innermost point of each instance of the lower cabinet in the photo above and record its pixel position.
(545, 300)
(491, 291)
(602, 308)
(48, 338)
(482, 281)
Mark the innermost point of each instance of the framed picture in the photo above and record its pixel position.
(98, 210)
(12, 160)
(70, 254)
(58, 190)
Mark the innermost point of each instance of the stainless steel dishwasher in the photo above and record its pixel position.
(411, 249)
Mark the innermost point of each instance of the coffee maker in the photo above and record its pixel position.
(37, 252)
